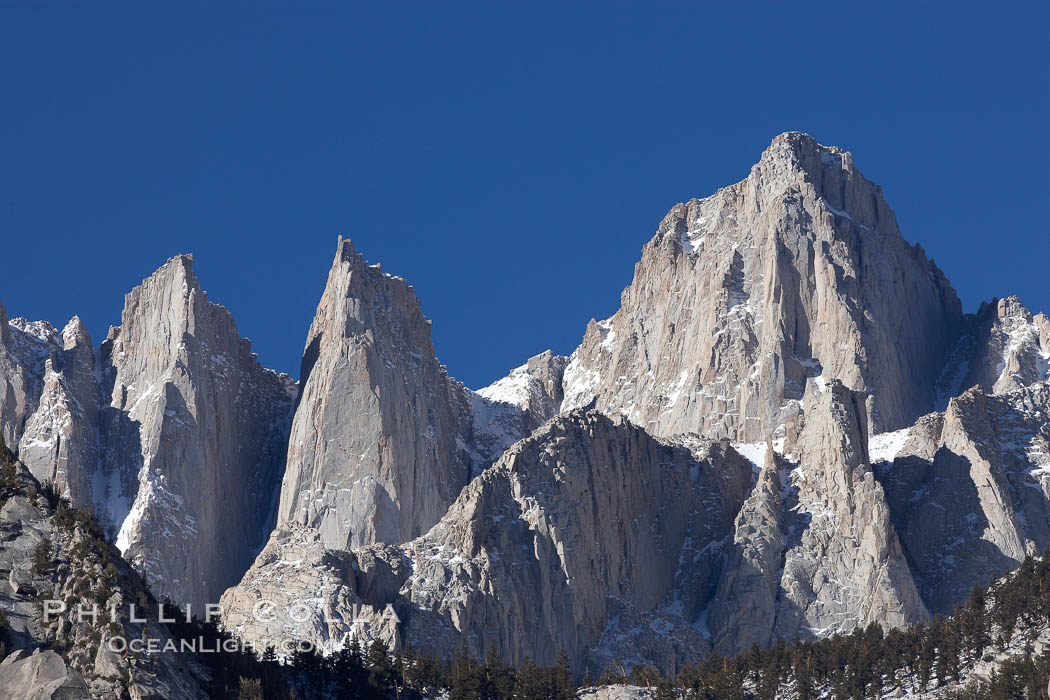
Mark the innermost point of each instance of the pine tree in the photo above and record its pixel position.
(467, 679)
(530, 684)
(925, 660)
(664, 690)
(499, 679)
(250, 689)
(803, 683)
(563, 687)
(379, 666)
(350, 675)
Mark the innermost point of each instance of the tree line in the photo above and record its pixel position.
(863, 664)
(870, 661)
(366, 672)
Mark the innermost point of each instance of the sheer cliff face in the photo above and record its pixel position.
(1003, 347)
(192, 438)
(175, 434)
(784, 313)
(377, 447)
(797, 271)
(601, 504)
(576, 536)
(48, 401)
(582, 527)
(815, 551)
(969, 489)
(60, 439)
(844, 530)
(26, 347)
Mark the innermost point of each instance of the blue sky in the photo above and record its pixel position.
(508, 159)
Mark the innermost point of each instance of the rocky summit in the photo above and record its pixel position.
(376, 452)
(795, 273)
(790, 428)
(783, 324)
(171, 430)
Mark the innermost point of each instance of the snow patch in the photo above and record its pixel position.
(1022, 336)
(754, 452)
(608, 334)
(692, 240)
(843, 214)
(581, 384)
(512, 389)
(885, 447)
(815, 371)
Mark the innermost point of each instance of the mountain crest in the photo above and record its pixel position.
(798, 271)
(744, 452)
(192, 437)
(374, 453)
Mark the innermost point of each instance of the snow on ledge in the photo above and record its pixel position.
(885, 447)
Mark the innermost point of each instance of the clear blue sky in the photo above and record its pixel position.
(509, 159)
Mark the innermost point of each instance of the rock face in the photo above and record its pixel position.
(25, 348)
(586, 524)
(511, 408)
(193, 435)
(39, 676)
(14, 389)
(79, 568)
(744, 610)
(785, 313)
(815, 551)
(375, 453)
(1004, 347)
(535, 388)
(797, 271)
(744, 452)
(847, 569)
(173, 433)
(969, 489)
(56, 434)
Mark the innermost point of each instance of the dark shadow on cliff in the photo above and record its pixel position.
(310, 355)
(936, 511)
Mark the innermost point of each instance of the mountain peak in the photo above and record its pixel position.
(780, 345)
(797, 271)
(800, 151)
(369, 355)
(176, 268)
(75, 333)
(344, 250)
